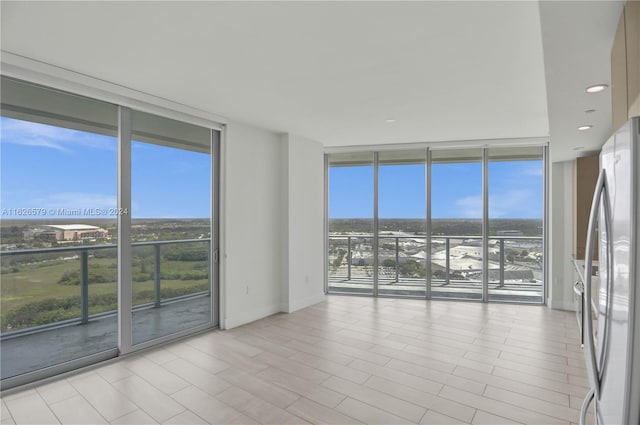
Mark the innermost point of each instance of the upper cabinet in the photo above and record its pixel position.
(625, 66)
(619, 105)
(632, 30)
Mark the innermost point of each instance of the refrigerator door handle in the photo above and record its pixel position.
(590, 354)
(585, 406)
(605, 316)
(578, 289)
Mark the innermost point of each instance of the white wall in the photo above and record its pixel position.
(560, 294)
(304, 265)
(272, 238)
(251, 276)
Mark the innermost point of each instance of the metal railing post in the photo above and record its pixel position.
(447, 260)
(84, 286)
(348, 257)
(501, 284)
(156, 275)
(397, 260)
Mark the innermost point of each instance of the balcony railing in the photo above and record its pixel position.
(83, 254)
(504, 251)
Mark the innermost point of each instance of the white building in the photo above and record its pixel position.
(77, 232)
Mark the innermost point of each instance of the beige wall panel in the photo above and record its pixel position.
(585, 175)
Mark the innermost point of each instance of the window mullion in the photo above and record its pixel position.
(485, 225)
(427, 251)
(376, 225)
(125, 301)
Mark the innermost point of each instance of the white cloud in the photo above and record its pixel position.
(532, 171)
(470, 206)
(511, 203)
(38, 142)
(51, 137)
(75, 200)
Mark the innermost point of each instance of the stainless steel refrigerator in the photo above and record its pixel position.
(612, 347)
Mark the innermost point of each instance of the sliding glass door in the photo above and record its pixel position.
(109, 230)
(58, 230)
(171, 226)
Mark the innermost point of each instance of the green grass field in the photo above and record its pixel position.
(31, 294)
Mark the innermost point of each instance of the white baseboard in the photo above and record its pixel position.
(296, 305)
(250, 316)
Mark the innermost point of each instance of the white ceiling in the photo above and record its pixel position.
(577, 39)
(336, 72)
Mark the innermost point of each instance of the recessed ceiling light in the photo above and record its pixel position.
(597, 88)
(584, 127)
(390, 120)
(589, 111)
(578, 148)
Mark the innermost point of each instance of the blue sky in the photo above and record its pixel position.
(51, 167)
(515, 191)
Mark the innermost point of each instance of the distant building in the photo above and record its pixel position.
(77, 232)
(43, 234)
(509, 233)
(513, 273)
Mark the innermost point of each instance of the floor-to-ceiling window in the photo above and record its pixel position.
(61, 230)
(516, 212)
(463, 223)
(456, 224)
(402, 224)
(351, 223)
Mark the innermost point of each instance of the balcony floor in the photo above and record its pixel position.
(512, 291)
(34, 351)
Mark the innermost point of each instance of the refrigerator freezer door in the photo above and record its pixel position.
(612, 404)
(633, 395)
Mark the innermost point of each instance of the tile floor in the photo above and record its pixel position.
(348, 360)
